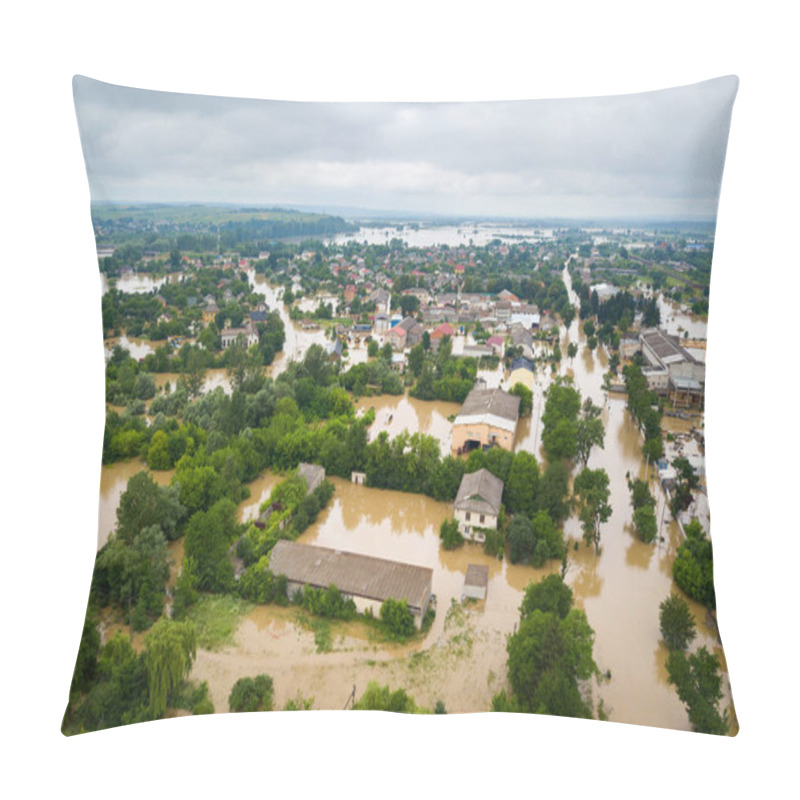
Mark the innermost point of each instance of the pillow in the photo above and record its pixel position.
(404, 407)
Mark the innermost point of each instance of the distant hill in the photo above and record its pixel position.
(120, 222)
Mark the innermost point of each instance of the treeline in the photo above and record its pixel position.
(644, 407)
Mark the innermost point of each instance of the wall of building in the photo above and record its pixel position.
(489, 521)
(482, 433)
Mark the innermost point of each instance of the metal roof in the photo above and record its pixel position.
(480, 491)
(494, 402)
(354, 574)
(477, 575)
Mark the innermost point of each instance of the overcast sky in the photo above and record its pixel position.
(658, 154)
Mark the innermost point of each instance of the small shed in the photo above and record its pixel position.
(476, 581)
(359, 478)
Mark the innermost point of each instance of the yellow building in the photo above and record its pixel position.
(522, 371)
(488, 418)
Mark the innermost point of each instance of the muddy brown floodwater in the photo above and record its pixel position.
(113, 482)
(462, 659)
(397, 413)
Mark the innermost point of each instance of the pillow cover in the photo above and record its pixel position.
(404, 407)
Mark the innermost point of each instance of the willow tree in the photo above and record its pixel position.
(170, 650)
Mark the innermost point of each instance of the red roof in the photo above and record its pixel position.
(445, 329)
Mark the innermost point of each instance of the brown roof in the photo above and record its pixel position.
(365, 576)
(480, 491)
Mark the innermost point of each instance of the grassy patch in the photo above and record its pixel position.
(216, 617)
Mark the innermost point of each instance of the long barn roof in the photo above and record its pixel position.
(365, 576)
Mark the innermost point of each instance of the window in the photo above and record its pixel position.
(482, 517)
(467, 516)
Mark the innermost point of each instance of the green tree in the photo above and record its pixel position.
(525, 398)
(697, 680)
(693, 568)
(522, 538)
(572, 350)
(678, 628)
(208, 539)
(397, 617)
(550, 595)
(450, 534)
(520, 494)
(194, 373)
(646, 524)
(145, 503)
(170, 650)
(382, 698)
(547, 657)
(590, 431)
(252, 694)
(416, 358)
(591, 495)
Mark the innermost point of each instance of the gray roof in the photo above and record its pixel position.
(490, 401)
(480, 492)
(477, 575)
(522, 363)
(666, 347)
(353, 574)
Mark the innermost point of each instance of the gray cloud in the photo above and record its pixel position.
(659, 153)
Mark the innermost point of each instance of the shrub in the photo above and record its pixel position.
(397, 618)
(450, 535)
(252, 694)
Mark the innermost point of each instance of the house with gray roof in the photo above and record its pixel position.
(369, 581)
(487, 419)
(477, 504)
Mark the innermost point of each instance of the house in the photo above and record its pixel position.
(477, 351)
(476, 581)
(445, 329)
(522, 371)
(522, 338)
(313, 475)
(381, 323)
(210, 312)
(382, 300)
(502, 310)
(526, 317)
(367, 580)
(406, 333)
(248, 334)
(488, 418)
(477, 504)
(496, 343)
(507, 296)
(359, 478)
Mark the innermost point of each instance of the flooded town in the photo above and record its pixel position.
(371, 457)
